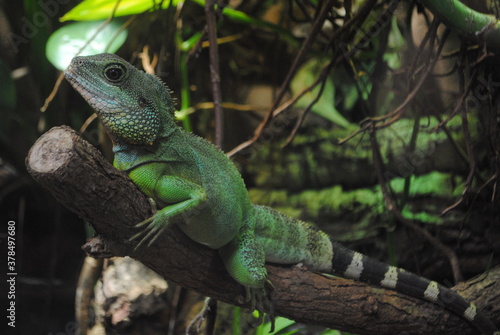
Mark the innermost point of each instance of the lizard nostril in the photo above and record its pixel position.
(78, 61)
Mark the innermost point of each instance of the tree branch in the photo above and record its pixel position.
(479, 27)
(81, 179)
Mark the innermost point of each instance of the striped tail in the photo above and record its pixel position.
(354, 265)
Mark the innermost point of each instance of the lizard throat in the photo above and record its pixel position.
(135, 127)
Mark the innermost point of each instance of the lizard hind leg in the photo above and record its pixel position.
(244, 261)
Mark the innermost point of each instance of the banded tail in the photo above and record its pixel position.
(350, 264)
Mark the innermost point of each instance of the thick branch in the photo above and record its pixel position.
(80, 178)
(476, 26)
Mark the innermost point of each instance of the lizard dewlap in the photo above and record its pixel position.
(199, 189)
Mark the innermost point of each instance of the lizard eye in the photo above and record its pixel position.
(114, 72)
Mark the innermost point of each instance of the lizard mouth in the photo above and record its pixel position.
(88, 91)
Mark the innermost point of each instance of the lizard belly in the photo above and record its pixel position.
(209, 230)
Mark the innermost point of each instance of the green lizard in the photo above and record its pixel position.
(199, 189)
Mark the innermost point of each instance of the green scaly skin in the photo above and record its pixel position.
(196, 187)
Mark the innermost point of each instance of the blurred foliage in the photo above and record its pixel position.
(84, 38)
(90, 10)
(325, 106)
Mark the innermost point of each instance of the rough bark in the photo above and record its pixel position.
(81, 179)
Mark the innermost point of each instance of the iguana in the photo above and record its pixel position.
(197, 187)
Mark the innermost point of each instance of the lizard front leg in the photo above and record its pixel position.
(180, 196)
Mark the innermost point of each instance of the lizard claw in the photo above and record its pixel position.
(261, 299)
(143, 223)
(151, 230)
(153, 227)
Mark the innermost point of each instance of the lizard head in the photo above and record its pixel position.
(135, 107)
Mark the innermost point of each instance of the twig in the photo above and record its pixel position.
(87, 122)
(322, 78)
(431, 32)
(393, 208)
(147, 64)
(287, 104)
(214, 71)
(464, 95)
(326, 70)
(363, 12)
(468, 142)
(316, 28)
(394, 115)
(397, 113)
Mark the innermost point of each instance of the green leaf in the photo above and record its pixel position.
(332, 332)
(350, 95)
(325, 106)
(90, 10)
(280, 325)
(66, 42)
(397, 44)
